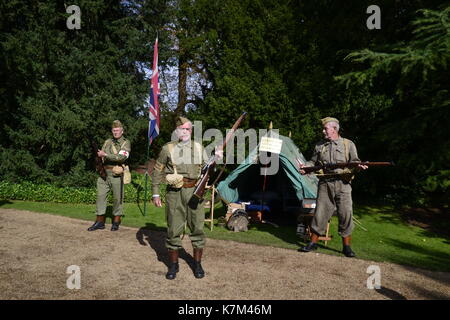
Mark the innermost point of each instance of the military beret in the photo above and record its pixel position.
(181, 120)
(329, 119)
(117, 124)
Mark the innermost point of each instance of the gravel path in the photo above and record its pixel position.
(36, 250)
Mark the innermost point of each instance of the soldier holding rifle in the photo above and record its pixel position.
(334, 185)
(114, 155)
(181, 163)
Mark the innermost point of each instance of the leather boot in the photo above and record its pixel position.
(346, 249)
(173, 265)
(312, 245)
(116, 223)
(98, 224)
(198, 270)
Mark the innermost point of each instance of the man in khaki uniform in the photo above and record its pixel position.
(114, 153)
(334, 185)
(179, 165)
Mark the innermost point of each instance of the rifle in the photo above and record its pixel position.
(209, 166)
(98, 161)
(353, 164)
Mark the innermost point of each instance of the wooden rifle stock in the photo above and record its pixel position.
(99, 167)
(353, 164)
(208, 168)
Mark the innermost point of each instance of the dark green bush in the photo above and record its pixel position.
(29, 191)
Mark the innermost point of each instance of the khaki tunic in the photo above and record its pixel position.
(115, 184)
(335, 189)
(188, 159)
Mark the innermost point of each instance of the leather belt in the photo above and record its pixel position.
(189, 183)
(329, 179)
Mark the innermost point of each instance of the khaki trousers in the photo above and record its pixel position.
(178, 213)
(103, 189)
(334, 196)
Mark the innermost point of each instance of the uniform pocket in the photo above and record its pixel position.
(339, 156)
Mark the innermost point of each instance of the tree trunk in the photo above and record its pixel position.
(182, 84)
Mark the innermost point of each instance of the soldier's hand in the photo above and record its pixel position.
(301, 165)
(157, 201)
(101, 153)
(362, 167)
(218, 153)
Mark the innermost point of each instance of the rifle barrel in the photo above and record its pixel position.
(209, 166)
(347, 165)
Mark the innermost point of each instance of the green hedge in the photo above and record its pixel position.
(29, 191)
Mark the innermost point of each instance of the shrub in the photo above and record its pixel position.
(29, 191)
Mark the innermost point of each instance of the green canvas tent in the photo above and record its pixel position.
(285, 190)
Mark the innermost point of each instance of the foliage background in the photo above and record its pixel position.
(290, 62)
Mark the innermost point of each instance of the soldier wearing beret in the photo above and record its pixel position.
(114, 153)
(179, 166)
(335, 188)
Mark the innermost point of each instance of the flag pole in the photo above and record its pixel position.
(153, 130)
(146, 177)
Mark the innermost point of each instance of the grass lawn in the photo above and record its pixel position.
(388, 238)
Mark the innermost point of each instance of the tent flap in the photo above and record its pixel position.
(247, 180)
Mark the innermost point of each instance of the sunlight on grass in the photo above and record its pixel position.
(387, 239)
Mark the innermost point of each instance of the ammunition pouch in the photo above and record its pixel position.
(347, 175)
(175, 180)
(126, 175)
(117, 171)
(122, 170)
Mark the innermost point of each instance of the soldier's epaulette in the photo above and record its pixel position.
(170, 142)
(320, 143)
(107, 142)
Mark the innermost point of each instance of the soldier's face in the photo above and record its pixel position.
(330, 132)
(117, 132)
(184, 132)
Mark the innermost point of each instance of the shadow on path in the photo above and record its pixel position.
(155, 237)
(391, 294)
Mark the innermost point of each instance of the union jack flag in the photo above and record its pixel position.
(153, 127)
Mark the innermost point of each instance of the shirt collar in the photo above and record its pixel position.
(335, 142)
(182, 144)
(120, 140)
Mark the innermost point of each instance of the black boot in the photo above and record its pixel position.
(309, 247)
(348, 252)
(346, 249)
(98, 224)
(116, 223)
(198, 270)
(173, 265)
